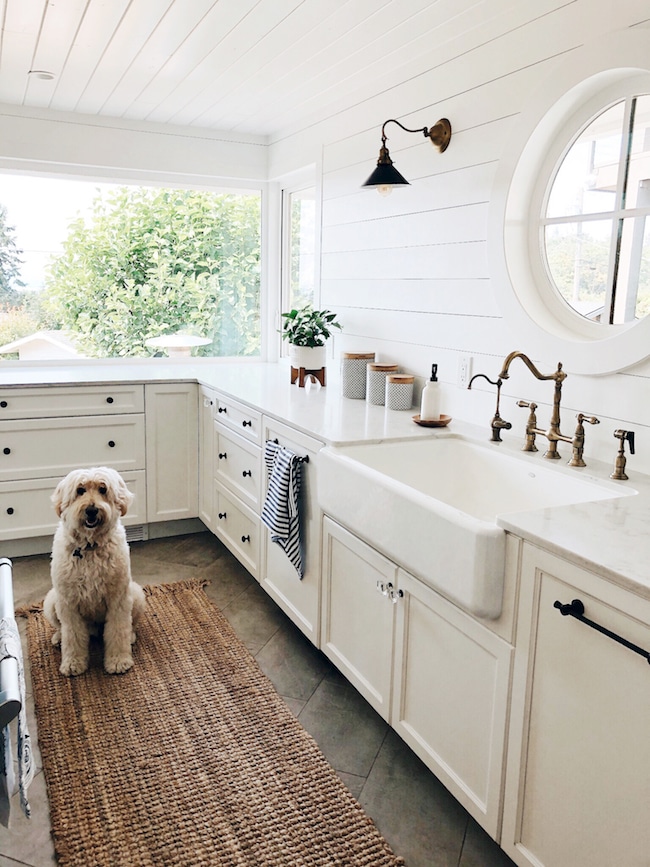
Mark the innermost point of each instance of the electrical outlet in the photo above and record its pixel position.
(464, 370)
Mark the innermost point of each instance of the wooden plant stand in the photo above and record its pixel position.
(301, 373)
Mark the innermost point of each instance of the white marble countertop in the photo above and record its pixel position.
(610, 537)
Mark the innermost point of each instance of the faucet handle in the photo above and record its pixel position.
(588, 418)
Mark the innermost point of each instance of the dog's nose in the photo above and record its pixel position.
(91, 512)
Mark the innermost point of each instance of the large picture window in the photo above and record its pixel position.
(114, 271)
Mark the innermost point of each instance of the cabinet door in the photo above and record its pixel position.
(358, 616)
(172, 451)
(207, 401)
(450, 698)
(578, 783)
(299, 599)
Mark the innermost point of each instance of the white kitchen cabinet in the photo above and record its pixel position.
(172, 450)
(238, 466)
(299, 599)
(47, 432)
(450, 697)
(358, 614)
(207, 404)
(578, 778)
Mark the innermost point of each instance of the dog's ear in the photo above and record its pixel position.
(121, 494)
(61, 495)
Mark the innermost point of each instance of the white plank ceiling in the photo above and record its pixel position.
(249, 66)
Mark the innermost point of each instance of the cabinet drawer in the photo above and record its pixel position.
(237, 465)
(240, 418)
(58, 401)
(34, 449)
(238, 528)
(26, 507)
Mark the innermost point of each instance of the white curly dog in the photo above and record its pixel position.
(91, 571)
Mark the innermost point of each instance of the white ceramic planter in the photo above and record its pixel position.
(309, 357)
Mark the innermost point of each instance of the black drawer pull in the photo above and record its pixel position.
(245, 538)
(222, 515)
(6, 451)
(247, 473)
(111, 444)
(222, 456)
(10, 511)
(247, 423)
(223, 409)
(109, 400)
(577, 609)
(4, 404)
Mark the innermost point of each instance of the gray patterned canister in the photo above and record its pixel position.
(376, 381)
(399, 391)
(353, 373)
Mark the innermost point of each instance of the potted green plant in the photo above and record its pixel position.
(306, 331)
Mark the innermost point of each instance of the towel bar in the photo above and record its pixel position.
(9, 685)
(303, 460)
(576, 609)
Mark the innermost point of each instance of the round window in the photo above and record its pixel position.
(569, 246)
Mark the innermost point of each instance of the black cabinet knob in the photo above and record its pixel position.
(223, 455)
(109, 400)
(245, 538)
(247, 473)
(4, 404)
(111, 444)
(223, 409)
(10, 511)
(6, 451)
(246, 423)
(222, 515)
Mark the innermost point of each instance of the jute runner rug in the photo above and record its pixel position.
(189, 759)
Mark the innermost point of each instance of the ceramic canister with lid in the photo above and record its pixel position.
(399, 391)
(376, 381)
(353, 373)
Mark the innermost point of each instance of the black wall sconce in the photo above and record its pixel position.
(386, 176)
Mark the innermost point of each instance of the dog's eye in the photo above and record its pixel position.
(102, 490)
(80, 490)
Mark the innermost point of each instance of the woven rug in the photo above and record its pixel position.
(191, 758)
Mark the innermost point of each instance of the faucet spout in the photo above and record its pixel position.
(553, 434)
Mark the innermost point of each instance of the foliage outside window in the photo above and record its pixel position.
(150, 262)
(596, 238)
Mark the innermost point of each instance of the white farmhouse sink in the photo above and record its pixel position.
(432, 506)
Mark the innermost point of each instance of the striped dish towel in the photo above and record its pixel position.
(10, 647)
(280, 512)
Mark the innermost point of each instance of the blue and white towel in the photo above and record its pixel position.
(10, 647)
(281, 513)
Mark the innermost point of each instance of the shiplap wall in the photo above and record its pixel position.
(409, 274)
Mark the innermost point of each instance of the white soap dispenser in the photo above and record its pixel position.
(430, 406)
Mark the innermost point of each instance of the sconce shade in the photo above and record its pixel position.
(385, 175)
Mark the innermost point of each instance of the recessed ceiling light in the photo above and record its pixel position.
(41, 74)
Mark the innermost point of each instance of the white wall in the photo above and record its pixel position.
(409, 274)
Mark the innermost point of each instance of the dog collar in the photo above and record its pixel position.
(89, 547)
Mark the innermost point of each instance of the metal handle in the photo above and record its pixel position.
(4, 404)
(222, 456)
(245, 538)
(576, 609)
(222, 515)
(109, 400)
(6, 451)
(111, 444)
(223, 409)
(10, 510)
(247, 473)
(246, 423)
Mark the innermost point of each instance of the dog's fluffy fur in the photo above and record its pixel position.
(91, 571)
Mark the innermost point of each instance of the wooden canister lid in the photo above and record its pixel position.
(360, 355)
(403, 378)
(383, 366)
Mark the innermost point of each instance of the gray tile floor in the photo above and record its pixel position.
(415, 813)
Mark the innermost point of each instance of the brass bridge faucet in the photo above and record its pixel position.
(553, 434)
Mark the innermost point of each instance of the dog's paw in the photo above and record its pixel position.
(56, 638)
(118, 664)
(71, 666)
